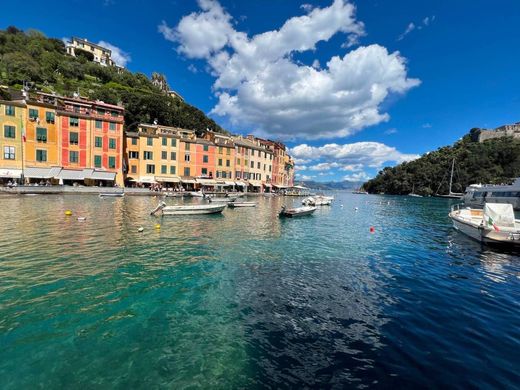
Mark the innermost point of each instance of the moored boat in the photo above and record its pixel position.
(111, 194)
(188, 209)
(495, 224)
(297, 212)
(221, 200)
(478, 194)
(241, 204)
(317, 200)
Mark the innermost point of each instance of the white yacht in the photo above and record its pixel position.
(476, 195)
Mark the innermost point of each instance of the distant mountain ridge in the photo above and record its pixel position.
(332, 185)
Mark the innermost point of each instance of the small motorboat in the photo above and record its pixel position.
(241, 204)
(317, 200)
(297, 212)
(221, 200)
(188, 209)
(197, 194)
(111, 194)
(495, 224)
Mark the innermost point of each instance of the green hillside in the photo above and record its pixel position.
(493, 161)
(30, 56)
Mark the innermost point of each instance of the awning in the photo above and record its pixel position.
(229, 183)
(255, 183)
(188, 181)
(11, 173)
(206, 182)
(71, 174)
(147, 179)
(41, 173)
(100, 175)
(300, 187)
(240, 183)
(279, 186)
(267, 184)
(168, 179)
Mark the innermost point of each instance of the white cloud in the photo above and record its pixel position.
(359, 154)
(258, 84)
(119, 56)
(361, 176)
(306, 7)
(426, 126)
(192, 68)
(304, 177)
(409, 29)
(390, 131)
(316, 64)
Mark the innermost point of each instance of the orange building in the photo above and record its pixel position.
(204, 159)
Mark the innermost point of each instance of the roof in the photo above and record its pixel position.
(90, 43)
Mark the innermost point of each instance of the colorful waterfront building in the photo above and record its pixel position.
(256, 167)
(12, 118)
(153, 155)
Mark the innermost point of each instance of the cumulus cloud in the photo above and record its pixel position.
(259, 85)
(119, 56)
(306, 7)
(361, 176)
(356, 155)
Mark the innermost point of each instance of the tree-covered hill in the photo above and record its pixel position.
(30, 56)
(494, 161)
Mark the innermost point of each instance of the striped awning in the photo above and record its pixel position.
(168, 179)
(41, 173)
(11, 173)
(71, 174)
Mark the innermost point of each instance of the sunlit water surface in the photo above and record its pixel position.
(246, 300)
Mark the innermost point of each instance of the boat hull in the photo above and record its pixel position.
(241, 204)
(192, 210)
(298, 212)
(486, 235)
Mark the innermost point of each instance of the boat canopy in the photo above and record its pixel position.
(499, 214)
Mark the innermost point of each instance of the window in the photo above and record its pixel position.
(98, 142)
(133, 168)
(112, 126)
(164, 169)
(173, 156)
(252, 153)
(206, 148)
(9, 110)
(224, 175)
(9, 153)
(172, 170)
(186, 171)
(269, 168)
(111, 162)
(148, 155)
(204, 171)
(100, 111)
(114, 113)
(186, 157)
(73, 157)
(133, 154)
(219, 162)
(164, 155)
(134, 141)
(259, 176)
(49, 117)
(73, 138)
(228, 163)
(252, 164)
(205, 159)
(164, 141)
(111, 143)
(41, 134)
(99, 124)
(33, 113)
(74, 122)
(41, 155)
(9, 131)
(150, 168)
(237, 174)
(228, 151)
(258, 165)
(173, 142)
(149, 141)
(238, 161)
(187, 146)
(220, 149)
(97, 161)
(218, 174)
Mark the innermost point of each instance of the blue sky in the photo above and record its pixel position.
(349, 86)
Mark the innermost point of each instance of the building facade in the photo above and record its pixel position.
(102, 55)
(12, 121)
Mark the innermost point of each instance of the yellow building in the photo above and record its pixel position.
(101, 55)
(154, 154)
(41, 146)
(12, 116)
(253, 163)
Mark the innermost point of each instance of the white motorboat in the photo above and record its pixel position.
(241, 204)
(495, 224)
(478, 194)
(188, 209)
(297, 212)
(317, 200)
(197, 194)
(221, 200)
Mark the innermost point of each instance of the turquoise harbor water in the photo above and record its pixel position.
(246, 300)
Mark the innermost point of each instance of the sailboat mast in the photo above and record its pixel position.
(451, 176)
